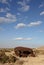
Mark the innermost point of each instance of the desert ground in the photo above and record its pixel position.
(37, 60)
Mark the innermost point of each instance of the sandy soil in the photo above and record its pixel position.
(39, 60)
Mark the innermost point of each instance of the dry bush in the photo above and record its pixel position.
(12, 59)
(6, 49)
(4, 58)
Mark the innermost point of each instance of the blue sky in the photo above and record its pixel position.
(21, 23)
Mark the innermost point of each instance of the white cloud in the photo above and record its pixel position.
(41, 5)
(20, 25)
(9, 15)
(4, 1)
(20, 38)
(7, 9)
(35, 23)
(42, 13)
(24, 6)
(8, 18)
(4, 10)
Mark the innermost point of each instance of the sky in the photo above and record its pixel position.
(21, 23)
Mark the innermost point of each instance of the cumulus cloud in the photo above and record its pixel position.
(4, 9)
(20, 25)
(20, 38)
(9, 15)
(41, 5)
(4, 1)
(8, 18)
(24, 6)
(35, 23)
(42, 13)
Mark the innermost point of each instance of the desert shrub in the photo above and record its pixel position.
(3, 57)
(37, 52)
(6, 49)
(12, 59)
(2, 53)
